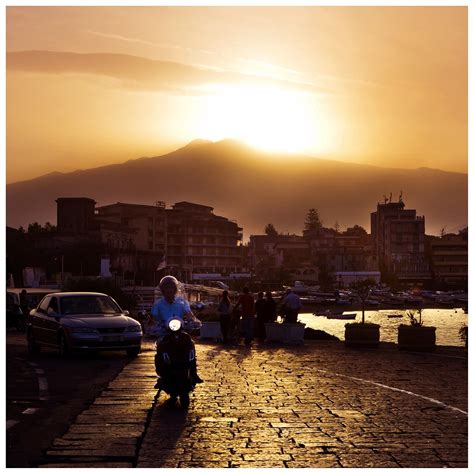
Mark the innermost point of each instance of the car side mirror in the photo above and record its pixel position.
(52, 313)
(126, 312)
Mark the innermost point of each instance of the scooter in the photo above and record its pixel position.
(175, 363)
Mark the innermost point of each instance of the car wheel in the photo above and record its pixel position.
(64, 350)
(134, 352)
(33, 346)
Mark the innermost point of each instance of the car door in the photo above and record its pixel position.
(51, 321)
(38, 320)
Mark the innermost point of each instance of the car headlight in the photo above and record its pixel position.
(84, 330)
(136, 328)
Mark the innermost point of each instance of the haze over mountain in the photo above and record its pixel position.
(250, 186)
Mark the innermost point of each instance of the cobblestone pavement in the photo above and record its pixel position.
(317, 405)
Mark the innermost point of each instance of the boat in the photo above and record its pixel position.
(341, 316)
(394, 315)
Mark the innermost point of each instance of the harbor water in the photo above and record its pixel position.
(446, 321)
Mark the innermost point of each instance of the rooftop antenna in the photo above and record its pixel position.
(400, 197)
(385, 199)
(390, 197)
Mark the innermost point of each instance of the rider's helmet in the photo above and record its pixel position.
(168, 280)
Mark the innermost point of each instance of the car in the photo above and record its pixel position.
(82, 321)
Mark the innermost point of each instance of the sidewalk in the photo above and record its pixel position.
(317, 405)
(303, 406)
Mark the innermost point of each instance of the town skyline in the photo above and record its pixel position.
(380, 86)
(251, 187)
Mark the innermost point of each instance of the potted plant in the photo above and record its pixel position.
(362, 334)
(211, 326)
(414, 336)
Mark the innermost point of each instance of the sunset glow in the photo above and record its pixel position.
(95, 86)
(271, 119)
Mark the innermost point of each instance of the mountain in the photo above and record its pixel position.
(252, 187)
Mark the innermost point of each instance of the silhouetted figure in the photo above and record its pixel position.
(24, 302)
(225, 313)
(270, 308)
(260, 312)
(248, 314)
(291, 305)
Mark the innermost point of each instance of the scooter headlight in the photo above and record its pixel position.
(174, 325)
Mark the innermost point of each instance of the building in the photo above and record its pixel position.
(199, 242)
(398, 236)
(143, 225)
(314, 256)
(341, 251)
(75, 216)
(449, 258)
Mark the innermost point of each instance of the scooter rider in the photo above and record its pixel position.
(171, 306)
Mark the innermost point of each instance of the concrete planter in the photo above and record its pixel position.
(210, 330)
(417, 338)
(362, 335)
(290, 333)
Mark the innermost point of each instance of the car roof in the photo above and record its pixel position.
(78, 293)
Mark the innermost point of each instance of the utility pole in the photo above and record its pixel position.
(62, 271)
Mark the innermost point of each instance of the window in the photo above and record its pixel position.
(53, 305)
(88, 304)
(43, 306)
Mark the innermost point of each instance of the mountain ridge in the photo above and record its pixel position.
(196, 143)
(250, 186)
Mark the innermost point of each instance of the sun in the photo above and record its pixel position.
(268, 118)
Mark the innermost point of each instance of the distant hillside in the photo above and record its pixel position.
(251, 187)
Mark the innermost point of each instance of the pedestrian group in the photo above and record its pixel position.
(254, 314)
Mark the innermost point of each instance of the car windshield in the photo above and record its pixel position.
(88, 304)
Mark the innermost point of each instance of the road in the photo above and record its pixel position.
(44, 394)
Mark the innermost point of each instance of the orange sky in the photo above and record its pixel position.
(97, 85)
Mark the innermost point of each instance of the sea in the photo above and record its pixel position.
(447, 323)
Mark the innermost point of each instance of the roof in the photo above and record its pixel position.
(191, 205)
(75, 199)
(80, 293)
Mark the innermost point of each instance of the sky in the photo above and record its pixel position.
(91, 86)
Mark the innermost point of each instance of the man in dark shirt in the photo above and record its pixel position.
(248, 314)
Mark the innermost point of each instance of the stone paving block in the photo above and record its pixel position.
(88, 465)
(114, 451)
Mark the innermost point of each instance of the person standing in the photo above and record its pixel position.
(24, 302)
(260, 312)
(248, 314)
(291, 304)
(225, 312)
(270, 308)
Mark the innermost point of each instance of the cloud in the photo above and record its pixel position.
(139, 73)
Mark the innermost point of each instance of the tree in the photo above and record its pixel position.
(270, 230)
(362, 289)
(34, 228)
(313, 221)
(356, 230)
(337, 227)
